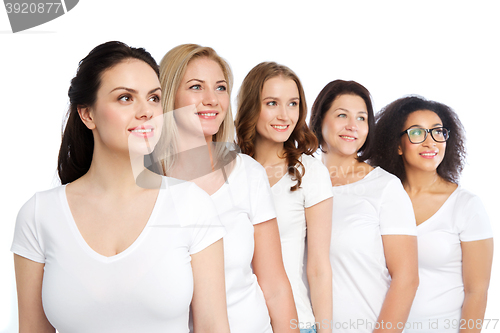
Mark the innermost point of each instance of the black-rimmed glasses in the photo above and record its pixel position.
(418, 135)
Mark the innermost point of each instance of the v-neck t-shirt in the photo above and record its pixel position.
(146, 288)
(437, 306)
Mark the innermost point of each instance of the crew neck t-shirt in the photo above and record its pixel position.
(362, 212)
(146, 288)
(437, 306)
(242, 202)
(290, 209)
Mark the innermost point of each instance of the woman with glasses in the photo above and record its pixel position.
(373, 251)
(422, 142)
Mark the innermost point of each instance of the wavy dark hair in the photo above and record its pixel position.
(302, 139)
(77, 146)
(324, 102)
(390, 122)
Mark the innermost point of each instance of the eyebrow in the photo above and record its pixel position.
(202, 81)
(433, 126)
(271, 97)
(350, 110)
(133, 91)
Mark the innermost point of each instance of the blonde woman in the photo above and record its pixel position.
(271, 127)
(196, 83)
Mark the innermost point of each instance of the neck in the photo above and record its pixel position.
(340, 166)
(112, 171)
(421, 181)
(268, 152)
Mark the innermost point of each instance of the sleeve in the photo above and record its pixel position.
(261, 197)
(396, 211)
(316, 183)
(206, 227)
(26, 239)
(475, 222)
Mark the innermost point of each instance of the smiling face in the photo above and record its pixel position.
(345, 125)
(279, 109)
(203, 95)
(127, 112)
(425, 156)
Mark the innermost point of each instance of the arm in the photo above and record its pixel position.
(477, 258)
(319, 271)
(29, 276)
(209, 296)
(268, 267)
(401, 258)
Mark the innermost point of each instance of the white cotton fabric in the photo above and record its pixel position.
(290, 209)
(243, 201)
(438, 303)
(362, 212)
(146, 288)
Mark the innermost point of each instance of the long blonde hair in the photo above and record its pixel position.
(172, 69)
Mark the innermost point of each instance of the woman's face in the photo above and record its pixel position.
(203, 96)
(425, 156)
(345, 125)
(127, 114)
(279, 109)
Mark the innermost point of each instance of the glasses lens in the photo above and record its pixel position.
(439, 134)
(416, 135)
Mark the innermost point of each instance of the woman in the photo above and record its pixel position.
(422, 142)
(197, 84)
(271, 127)
(100, 253)
(373, 250)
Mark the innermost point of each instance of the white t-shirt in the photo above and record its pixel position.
(438, 303)
(362, 212)
(290, 209)
(146, 288)
(243, 201)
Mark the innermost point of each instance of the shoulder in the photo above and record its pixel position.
(467, 201)
(47, 197)
(249, 165)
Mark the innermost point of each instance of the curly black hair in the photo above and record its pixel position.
(389, 125)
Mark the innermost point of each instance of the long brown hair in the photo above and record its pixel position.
(302, 139)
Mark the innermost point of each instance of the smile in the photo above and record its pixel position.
(207, 115)
(348, 138)
(280, 127)
(142, 130)
(429, 154)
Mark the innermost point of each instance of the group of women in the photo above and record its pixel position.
(164, 224)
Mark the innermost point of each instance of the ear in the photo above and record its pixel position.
(86, 116)
(400, 151)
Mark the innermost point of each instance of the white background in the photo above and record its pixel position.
(443, 50)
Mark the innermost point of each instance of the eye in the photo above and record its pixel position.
(125, 98)
(155, 98)
(272, 103)
(362, 118)
(195, 87)
(293, 104)
(221, 88)
(342, 115)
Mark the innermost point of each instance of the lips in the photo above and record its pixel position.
(428, 154)
(347, 138)
(211, 114)
(280, 128)
(144, 131)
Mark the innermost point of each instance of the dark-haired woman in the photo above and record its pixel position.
(271, 127)
(101, 253)
(422, 142)
(373, 250)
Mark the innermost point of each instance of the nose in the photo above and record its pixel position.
(429, 141)
(282, 113)
(144, 111)
(210, 98)
(351, 124)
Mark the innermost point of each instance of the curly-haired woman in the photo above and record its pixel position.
(422, 142)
